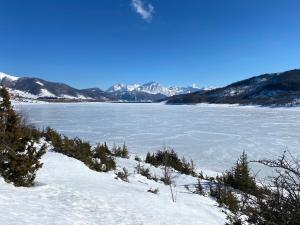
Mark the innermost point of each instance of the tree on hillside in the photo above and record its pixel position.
(10, 121)
(19, 156)
(239, 177)
(243, 180)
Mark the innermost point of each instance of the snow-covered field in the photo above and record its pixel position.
(213, 135)
(68, 193)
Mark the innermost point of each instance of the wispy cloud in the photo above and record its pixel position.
(146, 11)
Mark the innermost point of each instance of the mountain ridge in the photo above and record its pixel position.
(40, 89)
(270, 89)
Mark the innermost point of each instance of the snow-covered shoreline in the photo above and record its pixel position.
(36, 102)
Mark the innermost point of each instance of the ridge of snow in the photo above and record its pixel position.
(39, 83)
(10, 77)
(153, 88)
(209, 88)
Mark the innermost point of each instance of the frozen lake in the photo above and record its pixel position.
(212, 135)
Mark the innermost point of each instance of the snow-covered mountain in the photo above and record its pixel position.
(24, 88)
(153, 88)
(278, 89)
(35, 88)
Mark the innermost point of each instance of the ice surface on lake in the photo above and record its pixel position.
(212, 135)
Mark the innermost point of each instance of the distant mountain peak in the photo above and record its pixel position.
(153, 88)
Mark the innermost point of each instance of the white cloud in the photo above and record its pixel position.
(146, 11)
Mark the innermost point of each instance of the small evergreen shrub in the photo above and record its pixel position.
(19, 165)
(228, 199)
(166, 180)
(76, 148)
(153, 191)
(28, 130)
(102, 158)
(137, 158)
(54, 137)
(200, 175)
(224, 195)
(145, 172)
(239, 177)
(199, 188)
(170, 157)
(120, 151)
(123, 175)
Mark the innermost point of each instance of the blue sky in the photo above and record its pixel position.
(96, 43)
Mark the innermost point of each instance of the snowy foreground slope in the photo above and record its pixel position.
(68, 193)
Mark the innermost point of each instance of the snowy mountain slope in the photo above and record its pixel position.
(267, 89)
(35, 88)
(68, 193)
